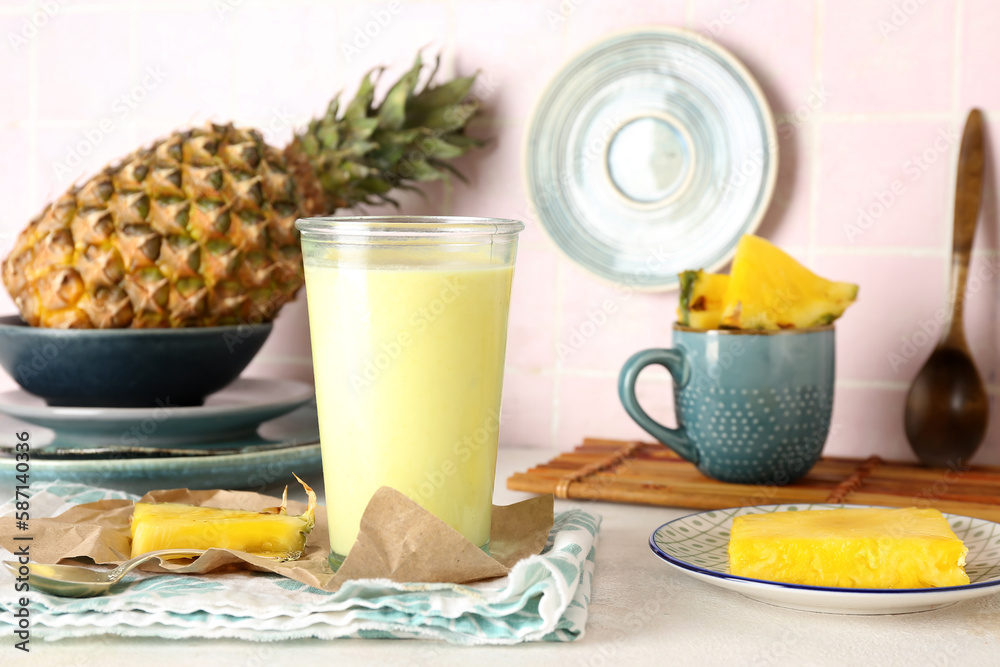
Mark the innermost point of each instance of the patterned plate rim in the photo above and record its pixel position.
(768, 187)
(691, 567)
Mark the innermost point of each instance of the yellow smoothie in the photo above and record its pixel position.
(409, 370)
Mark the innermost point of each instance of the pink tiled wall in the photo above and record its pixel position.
(868, 93)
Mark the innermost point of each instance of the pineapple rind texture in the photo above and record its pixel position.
(270, 533)
(701, 299)
(849, 548)
(198, 229)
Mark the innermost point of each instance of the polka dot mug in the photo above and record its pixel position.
(753, 407)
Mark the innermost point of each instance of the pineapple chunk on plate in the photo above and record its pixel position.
(697, 545)
(849, 548)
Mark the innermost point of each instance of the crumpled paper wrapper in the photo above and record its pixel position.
(399, 540)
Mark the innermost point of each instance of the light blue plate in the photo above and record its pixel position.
(280, 447)
(650, 153)
(698, 545)
(233, 413)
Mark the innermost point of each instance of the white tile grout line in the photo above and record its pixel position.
(449, 55)
(888, 116)
(846, 383)
(557, 325)
(883, 251)
(560, 295)
(956, 57)
(133, 66)
(500, 121)
(32, 162)
(546, 372)
(815, 132)
(891, 385)
(957, 118)
(234, 39)
(145, 6)
(449, 63)
(893, 251)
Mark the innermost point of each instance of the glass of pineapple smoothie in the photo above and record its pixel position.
(408, 320)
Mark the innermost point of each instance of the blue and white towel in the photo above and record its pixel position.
(544, 598)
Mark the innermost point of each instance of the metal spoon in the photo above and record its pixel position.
(73, 581)
(947, 408)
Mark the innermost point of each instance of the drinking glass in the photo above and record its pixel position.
(408, 320)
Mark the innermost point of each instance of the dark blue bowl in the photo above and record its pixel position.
(126, 368)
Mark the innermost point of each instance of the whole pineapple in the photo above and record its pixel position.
(198, 229)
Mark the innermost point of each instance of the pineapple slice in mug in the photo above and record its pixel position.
(768, 289)
(701, 299)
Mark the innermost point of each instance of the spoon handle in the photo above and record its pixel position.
(133, 563)
(968, 193)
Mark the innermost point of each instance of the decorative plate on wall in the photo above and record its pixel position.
(650, 153)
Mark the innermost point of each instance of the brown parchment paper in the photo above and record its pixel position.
(398, 540)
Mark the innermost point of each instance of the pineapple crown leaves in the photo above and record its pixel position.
(363, 152)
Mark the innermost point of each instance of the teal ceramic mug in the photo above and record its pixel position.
(752, 407)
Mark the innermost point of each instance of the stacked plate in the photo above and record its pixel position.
(248, 435)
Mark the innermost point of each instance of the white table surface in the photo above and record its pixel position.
(642, 612)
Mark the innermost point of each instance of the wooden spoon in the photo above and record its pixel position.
(947, 408)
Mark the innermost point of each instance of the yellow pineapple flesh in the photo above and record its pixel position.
(271, 533)
(849, 548)
(701, 299)
(768, 289)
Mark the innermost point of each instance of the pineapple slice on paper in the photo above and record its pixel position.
(701, 299)
(849, 548)
(271, 532)
(768, 289)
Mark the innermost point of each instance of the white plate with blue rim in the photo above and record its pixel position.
(697, 545)
(651, 152)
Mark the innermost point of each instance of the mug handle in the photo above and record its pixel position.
(677, 365)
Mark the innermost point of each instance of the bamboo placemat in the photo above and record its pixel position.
(651, 474)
